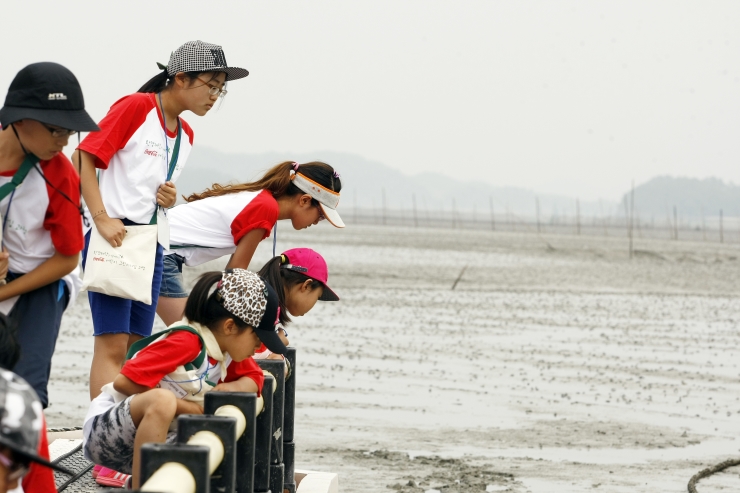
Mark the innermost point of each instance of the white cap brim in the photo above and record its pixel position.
(332, 216)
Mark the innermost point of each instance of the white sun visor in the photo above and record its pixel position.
(329, 199)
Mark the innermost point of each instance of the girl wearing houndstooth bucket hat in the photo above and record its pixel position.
(139, 153)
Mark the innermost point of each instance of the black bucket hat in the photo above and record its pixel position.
(20, 420)
(49, 93)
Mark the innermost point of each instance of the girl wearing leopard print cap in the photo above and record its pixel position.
(221, 329)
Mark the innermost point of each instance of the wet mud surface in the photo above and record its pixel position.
(556, 363)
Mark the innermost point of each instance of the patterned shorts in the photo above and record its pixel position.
(111, 442)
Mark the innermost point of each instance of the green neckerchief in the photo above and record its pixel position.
(19, 175)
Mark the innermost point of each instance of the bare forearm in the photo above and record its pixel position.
(51, 270)
(244, 384)
(126, 386)
(245, 249)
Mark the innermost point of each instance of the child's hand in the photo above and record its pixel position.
(188, 407)
(4, 255)
(167, 194)
(111, 229)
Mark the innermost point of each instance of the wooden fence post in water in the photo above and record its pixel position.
(383, 190)
(413, 201)
(493, 220)
(675, 223)
(632, 215)
(454, 215)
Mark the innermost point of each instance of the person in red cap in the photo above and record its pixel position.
(300, 278)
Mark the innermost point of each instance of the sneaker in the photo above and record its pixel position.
(96, 470)
(111, 478)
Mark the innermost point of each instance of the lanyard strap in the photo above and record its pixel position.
(19, 175)
(274, 239)
(175, 152)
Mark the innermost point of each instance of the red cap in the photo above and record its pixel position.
(313, 265)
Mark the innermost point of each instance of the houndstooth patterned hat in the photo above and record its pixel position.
(246, 296)
(198, 56)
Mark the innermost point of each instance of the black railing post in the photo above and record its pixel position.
(224, 477)
(263, 439)
(276, 367)
(193, 457)
(246, 402)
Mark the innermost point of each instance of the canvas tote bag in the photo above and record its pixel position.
(126, 271)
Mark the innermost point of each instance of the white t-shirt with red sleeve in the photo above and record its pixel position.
(132, 157)
(210, 228)
(38, 220)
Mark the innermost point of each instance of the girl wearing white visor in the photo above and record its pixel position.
(233, 219)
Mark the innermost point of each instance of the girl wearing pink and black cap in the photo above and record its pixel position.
(299, 277)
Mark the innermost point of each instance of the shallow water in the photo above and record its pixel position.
(556, 364)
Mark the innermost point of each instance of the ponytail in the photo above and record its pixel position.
(283, 279)
(162, 81)
(158, 83)
(278, 181)
(203, 307)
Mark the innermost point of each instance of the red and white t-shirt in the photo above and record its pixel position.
(132, 157)
(37, 219)
(161, 358)
(210, 228)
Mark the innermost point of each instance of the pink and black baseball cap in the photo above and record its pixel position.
(310, 263)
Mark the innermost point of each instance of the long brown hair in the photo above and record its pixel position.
(277, 180)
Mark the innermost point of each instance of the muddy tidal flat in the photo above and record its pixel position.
(556, 364)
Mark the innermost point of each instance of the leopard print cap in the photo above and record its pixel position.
(244, 294)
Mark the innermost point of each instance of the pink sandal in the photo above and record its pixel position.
(111, 478)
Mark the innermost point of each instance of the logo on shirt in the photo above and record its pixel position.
(57, 96)
(151, 152)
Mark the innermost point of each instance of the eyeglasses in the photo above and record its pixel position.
(213, 90)
(57, 132)
(16, 470)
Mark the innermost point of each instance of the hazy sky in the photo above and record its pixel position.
(574, 98)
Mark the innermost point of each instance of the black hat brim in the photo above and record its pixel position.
(272, 341)
(233, 73)
(77, 120)
(328, 294)
(266, 328)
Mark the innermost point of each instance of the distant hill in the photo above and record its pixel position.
(365, 181)
(692, 197)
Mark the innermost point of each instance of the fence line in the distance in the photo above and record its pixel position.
(724, 230)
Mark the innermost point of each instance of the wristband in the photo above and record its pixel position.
(102, 211)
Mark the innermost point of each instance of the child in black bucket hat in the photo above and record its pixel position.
(41, 222)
